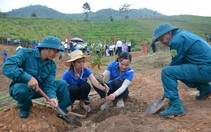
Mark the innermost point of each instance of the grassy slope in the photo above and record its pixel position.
(136, 29)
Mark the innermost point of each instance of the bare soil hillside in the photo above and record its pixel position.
(145, 87)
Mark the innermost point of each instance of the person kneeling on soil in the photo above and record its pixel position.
(191, 64)
(33, 69)
(76, 77)
(120, 75)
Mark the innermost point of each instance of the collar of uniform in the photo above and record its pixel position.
(37, 55)
(171, 41)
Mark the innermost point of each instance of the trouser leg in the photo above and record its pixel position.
(63, 95)
(84, 90)
(80, 91)
(74, 92)
(192, 75)
(115, 86)
(22, 94)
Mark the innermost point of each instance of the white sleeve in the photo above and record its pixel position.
(122, 88)
(106, 74)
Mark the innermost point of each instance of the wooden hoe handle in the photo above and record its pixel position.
(44, 95)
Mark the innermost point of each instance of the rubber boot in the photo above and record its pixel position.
(22, 94)
(25, 111)
(204, 92)
(175, 108)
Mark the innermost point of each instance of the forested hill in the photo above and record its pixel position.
(100, 15)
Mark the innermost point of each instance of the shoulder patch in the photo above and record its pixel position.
(173, 52)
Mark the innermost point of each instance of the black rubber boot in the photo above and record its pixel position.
(204, 92)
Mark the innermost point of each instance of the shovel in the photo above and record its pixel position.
(72, 119)
(78, 115)
(156, 105)
(105, 97)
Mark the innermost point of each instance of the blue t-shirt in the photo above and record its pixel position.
(71, 79)
(114, 72)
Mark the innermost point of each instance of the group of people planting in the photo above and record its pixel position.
(32, 69)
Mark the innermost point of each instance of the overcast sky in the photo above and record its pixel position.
(166, 7)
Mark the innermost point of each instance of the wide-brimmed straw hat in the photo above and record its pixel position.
(75, 55)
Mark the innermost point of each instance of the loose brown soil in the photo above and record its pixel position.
(145, 87)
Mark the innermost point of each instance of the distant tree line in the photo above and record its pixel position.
(101, 15)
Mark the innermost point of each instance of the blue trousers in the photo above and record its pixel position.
(115, 85)
(193, 76)
(24, 95)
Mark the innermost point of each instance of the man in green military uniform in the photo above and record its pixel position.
(30, 69)
(191, 64)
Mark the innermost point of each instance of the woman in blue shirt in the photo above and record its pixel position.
(76, 77)
(120, 75)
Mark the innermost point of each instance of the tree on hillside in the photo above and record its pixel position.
(33, 15)
(87, 9)
(2, 14)
(124, 9)
(111, 19)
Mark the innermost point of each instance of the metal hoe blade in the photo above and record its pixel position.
(156, 105)
(72, 119)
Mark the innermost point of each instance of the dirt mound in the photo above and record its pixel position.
(42, 118)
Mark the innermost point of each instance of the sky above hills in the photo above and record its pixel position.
(166, 7)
